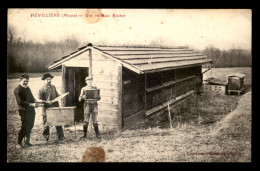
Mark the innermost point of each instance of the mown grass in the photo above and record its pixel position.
(195, 140)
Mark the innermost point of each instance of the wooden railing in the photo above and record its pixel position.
(168, 83)
(165, 104)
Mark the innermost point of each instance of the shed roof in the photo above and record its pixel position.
(216, 81)
(236, 75)
(144, 59)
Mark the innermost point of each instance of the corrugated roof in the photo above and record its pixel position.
(151, 59)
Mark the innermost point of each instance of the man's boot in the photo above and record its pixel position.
(27, 141)
(60, 133)
(46, 133)
(96, 131)
(85, 130)
(20, 140)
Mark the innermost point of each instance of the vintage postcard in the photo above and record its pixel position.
(129, 85)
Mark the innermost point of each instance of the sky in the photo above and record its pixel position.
(196, 28)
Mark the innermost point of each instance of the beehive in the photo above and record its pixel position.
(220, 89)
(215, 85)
(92, 93)
(60, 116)
(236, 81)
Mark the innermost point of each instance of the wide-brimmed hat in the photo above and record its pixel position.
(47, 75)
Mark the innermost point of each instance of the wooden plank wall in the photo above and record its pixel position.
(70, 86)
(106, 76)
(189, 84)
(198, 80)
(187, 79)
(133, 91)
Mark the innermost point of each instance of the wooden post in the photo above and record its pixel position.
(169, 112)
(175, 86)
(90, 63)
(161, 78)
(64, 85)
(201, 78)
(120, 98)
(145, 91)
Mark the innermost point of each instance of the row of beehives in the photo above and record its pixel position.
(235, 83)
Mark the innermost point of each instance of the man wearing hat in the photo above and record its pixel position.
(26, 104)
(47, 93)
(90, 107)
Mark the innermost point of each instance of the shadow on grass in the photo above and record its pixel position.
(195, 112)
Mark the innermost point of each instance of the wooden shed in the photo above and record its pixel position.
(132, 80)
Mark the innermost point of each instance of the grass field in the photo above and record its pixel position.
(223, 72)
(218, 141)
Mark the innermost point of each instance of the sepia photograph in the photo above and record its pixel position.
(89, 85)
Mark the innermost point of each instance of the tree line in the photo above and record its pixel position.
(229, 58)
(28, 56)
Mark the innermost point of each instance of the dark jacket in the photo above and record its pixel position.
(24, 97)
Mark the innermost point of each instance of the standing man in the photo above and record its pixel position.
(26, 104)
(47, 93)
(90, 107)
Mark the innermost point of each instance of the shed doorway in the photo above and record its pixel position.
(75, 81)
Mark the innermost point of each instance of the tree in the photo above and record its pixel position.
(10, 52)
(229, 58)
(10, 34)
